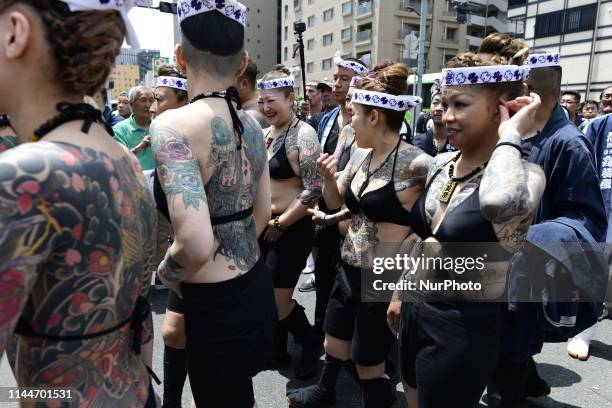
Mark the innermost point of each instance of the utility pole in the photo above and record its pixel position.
(421, 59)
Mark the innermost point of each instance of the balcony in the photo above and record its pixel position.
(516, 3)
(364, 9)
(409, 5)
(497, 24)
(501, 5)
(473, 41)
(363, 36)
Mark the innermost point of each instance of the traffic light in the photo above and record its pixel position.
(167, 7)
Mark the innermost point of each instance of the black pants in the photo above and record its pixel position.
(328, 243)
(449, 352)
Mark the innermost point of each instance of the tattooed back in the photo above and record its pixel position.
(227, 180)
(76, 228)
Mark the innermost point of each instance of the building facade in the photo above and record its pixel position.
(123, 77)
(374, 30)
(580, 30)
(261, 33)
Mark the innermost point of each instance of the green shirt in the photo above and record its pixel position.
(129, 134)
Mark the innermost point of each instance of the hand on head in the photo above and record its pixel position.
(523, 122)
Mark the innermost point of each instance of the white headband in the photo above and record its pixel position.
(385, 101)
(122, 6)
(276, 83)
(229, 8)
(484, 75)
(171, 82)
(543, 60)
(352, 65)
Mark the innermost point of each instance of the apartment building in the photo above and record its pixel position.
(580, 30)
(123, 77)
(261, 33)
(373, 30)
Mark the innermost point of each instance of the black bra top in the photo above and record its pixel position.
(162, 206)
(280, 168)
(381, 205)
(463, 223)
(345, 157)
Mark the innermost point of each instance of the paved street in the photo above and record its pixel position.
(575, 384)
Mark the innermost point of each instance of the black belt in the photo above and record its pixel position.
(224, 219)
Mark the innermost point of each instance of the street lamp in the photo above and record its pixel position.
(421, 57)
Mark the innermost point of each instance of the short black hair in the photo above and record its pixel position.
(250, 73)
(575, 94)
(217, 50)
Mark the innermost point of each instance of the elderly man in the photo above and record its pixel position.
(134, 132)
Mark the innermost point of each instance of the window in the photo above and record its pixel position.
(328, 39)
(286, 11)
(364, 7)
(451, 33)
(347, 8)
(549, 24)
(311, 44)
(296, 4)
(566, 21)
(328, 14)
(364, 33)
(346, 34)
(286, 53)
(310, 67)
(516, 3)
(580, 18)
(286, 32)
(326, 64)
(311, 21)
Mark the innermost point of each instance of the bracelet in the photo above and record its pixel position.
(277, 225)
(4, 121)
(517, 147)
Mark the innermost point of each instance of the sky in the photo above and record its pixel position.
(154, 30)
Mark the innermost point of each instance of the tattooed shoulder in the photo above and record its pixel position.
(412, 167)
(177, 166)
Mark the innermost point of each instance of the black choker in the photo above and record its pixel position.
(69, 112)
(230, 95)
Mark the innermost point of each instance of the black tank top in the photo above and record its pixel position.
(380, 205)
(280, 168)
(463, 223)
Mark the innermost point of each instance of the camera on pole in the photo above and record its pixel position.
(299, 28)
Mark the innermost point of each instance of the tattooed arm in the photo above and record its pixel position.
(321, 218)
(309, 150)
(27, 232)
(181, 179)
(412, 168)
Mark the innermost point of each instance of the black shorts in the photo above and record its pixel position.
(449, 352)
(229, 325)
(286, 258)
(175, 303)
(362, 323)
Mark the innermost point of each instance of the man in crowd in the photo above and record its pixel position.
(123, 107)
(248, 95)
(435, 140)
(589, 110)
(570, 100)
(571, 210)
(134, 132)
(605, 100)
(325, 87)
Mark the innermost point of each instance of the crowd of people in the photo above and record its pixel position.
(220, 183)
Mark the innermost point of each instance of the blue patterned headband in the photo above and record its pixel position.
(543, 60)
(385, 101)
(171, 82)
(229, 8)
(484, 75)
(276, 83)
(352, 65)
(122, 6)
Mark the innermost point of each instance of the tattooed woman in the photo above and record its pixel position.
(211, 163)
(293, 149)
(76, 217)
(484, 193)
(379, 186)
(170, 92)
